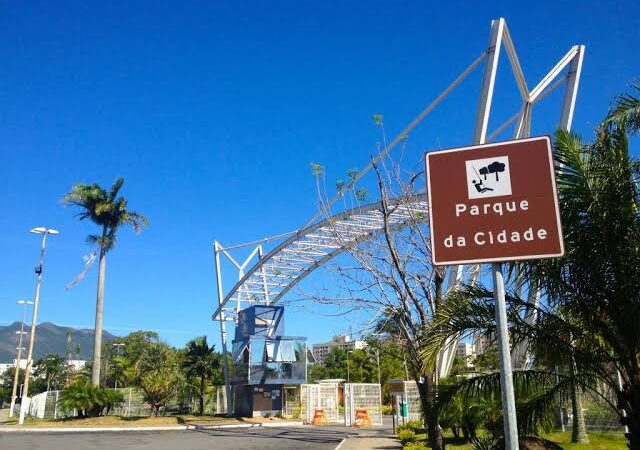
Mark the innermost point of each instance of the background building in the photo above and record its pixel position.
(320, 351)
(466, 350)
(481, 343)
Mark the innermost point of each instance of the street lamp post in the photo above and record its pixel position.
(378, 335)
(44, 232)
(118, 346)
(24, 304)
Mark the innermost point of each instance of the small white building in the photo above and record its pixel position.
(320, 351)
(6, 366)
(76, 364)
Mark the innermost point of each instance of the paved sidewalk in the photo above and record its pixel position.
(369, 443)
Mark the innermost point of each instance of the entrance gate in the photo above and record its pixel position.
(361, 397)
(320, 400)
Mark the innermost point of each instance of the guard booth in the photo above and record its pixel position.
(266, 364)
(405, 399)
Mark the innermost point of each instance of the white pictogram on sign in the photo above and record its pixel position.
(488, 177)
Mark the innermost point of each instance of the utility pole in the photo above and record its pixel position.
(24, 304)
(44, 231)
(378, 361)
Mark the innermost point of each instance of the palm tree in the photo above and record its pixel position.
(201, 361)
(109, 212)
(53, 369)
(591, 309)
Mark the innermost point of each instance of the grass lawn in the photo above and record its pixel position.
(603, 440)
(144, 421)
(599, 440)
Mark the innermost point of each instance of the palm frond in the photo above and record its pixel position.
(115, 188)
(105, 209)
(626, 112)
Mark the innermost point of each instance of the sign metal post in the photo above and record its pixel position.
(489, 204)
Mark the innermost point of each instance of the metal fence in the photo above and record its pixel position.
(365, 397)
(407, 392)
(322, 397)
(46, 405)
(292, 408)
(598, 413)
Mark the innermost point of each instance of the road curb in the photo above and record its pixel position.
(88, 429)
(157, 428)
(247, 425)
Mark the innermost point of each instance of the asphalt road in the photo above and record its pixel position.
(316, 438)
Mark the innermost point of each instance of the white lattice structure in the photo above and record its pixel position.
(362, 396)
(321, 396)
(407, 392)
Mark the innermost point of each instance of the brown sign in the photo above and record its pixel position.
(494, 202)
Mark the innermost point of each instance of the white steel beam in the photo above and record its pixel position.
(223, 332)
(554, 72)
(488, 81)
(573, 81)
(515, 65)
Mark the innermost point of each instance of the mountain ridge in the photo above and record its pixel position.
(50, 338)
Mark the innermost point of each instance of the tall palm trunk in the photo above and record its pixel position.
(579, 429)
(202, 389)
(430, 417)
(97, 340)
(629, 402)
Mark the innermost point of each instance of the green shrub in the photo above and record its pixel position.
(415, 446)
(88, 400)
(386, 410)
(413, 425)
(487, 443)
(406, 436)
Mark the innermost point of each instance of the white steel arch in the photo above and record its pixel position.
(304, 250)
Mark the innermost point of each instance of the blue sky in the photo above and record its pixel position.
(212, 111)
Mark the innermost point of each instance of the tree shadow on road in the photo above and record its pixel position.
(318, 435)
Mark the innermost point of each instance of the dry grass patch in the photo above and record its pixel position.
(105, 421)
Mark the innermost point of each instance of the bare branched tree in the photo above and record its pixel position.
(390, 278)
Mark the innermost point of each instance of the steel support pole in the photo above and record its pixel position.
(488, 81)
(223, 332)
(523, 130)
(32, 338)
(479, 136)
(573, 81)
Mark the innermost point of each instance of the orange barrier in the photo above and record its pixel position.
(318, 417)
(362, 419)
